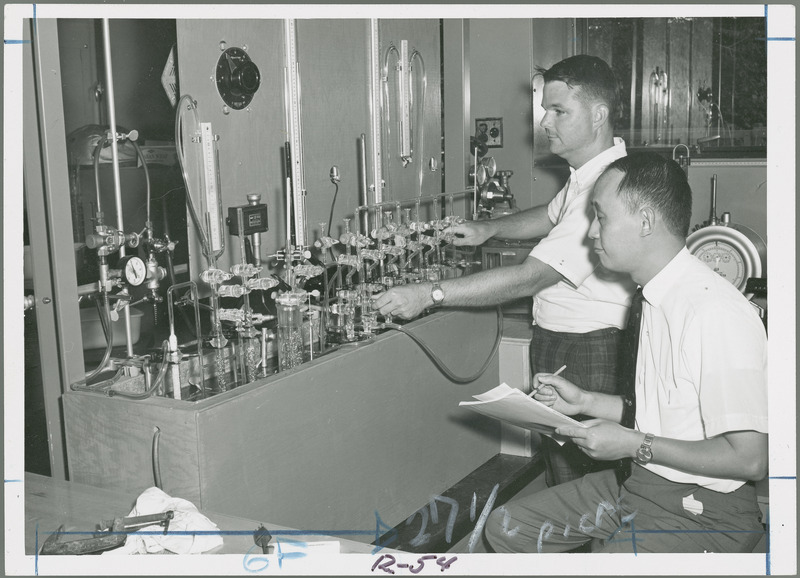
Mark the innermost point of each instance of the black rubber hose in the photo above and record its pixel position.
(438, 362)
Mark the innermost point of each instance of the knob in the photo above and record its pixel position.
(245, 79)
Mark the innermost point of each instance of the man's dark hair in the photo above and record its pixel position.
(594, 77)
(650, 180)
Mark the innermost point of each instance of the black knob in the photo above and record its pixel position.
(245, 79)
(238, 78)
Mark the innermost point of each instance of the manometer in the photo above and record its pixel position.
(134, 270)
(733, 251)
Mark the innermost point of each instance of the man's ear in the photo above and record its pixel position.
(648, 221)
(600, 114)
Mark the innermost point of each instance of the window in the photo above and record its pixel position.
(695, 81)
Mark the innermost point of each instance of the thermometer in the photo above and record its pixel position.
(213, 208)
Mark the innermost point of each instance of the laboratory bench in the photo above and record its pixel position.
(364, 435)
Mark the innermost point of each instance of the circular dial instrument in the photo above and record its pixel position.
(134, 270)
(238, 78)
(735, 252)
(722, 259)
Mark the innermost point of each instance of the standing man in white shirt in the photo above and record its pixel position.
(699, 396)
(578, 307)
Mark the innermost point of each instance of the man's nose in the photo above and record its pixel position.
(545, 122)
(594, 229)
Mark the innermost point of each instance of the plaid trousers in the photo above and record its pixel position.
(591, 360)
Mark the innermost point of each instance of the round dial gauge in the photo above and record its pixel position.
(735, 252)
(723, 259)
(479, 175)
(134, 270)
(491, 166)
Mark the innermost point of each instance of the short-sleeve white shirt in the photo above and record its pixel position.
(702, 362)
(589, 297)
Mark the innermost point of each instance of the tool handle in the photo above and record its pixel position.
(135, 522)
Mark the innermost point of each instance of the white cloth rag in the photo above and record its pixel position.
(179, 539)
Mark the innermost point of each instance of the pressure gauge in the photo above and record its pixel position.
(491, 166)
(479, 175)
(134, 270)
(734, 252)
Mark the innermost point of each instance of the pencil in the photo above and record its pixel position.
(557, 372)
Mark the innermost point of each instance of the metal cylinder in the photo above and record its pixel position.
(112, 122)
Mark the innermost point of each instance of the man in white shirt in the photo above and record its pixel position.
(700, 402)
(578, 308)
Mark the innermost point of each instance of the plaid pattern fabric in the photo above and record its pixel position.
(591, 359)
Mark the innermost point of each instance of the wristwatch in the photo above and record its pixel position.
(437, 294)
(644, 454)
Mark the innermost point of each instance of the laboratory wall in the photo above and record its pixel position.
(333, 65)
(251, 140)
(741, 191)
(504, 55)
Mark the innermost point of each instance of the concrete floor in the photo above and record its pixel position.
(462, 546)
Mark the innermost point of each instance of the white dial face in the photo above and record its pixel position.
(723, 259)
(135, 271)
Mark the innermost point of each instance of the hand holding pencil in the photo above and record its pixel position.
(535, 388)
(560, 394)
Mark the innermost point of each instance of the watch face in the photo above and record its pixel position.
(437, 295)
(644, 455)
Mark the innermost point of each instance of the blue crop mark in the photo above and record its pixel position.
(766, 29)
(16, 41)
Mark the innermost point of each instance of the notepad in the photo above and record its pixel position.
(512, 406)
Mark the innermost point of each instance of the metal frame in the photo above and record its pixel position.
(46, 186)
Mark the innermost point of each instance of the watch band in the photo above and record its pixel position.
(644, 454)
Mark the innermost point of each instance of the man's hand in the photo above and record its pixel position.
(471, 232)
(560, 394)
(603, 440)
(405, 301)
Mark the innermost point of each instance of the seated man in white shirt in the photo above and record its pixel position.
(700, 398)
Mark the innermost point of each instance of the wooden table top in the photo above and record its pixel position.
(49, 503)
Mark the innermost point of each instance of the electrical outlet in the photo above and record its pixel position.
(489, 131)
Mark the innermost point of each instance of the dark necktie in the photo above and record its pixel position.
(626, 372)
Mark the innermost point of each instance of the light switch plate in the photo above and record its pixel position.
(492, 128)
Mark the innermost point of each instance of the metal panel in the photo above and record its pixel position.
(333, 59)
(456, 104)
(250, 140)
(47, 187)
(403, 182)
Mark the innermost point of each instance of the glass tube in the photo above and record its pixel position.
(290, 329)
